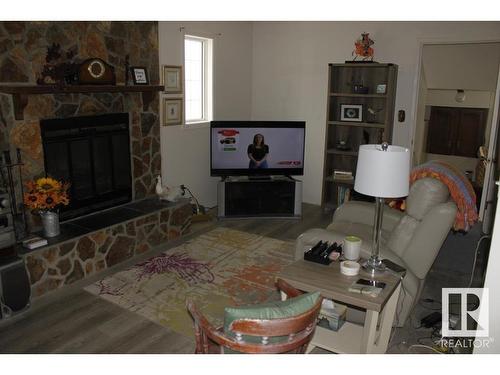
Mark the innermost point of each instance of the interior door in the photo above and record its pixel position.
(441, 134)
(470, 134)
(488, 200)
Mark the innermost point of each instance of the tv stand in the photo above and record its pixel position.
(274, 197)
(259, 178)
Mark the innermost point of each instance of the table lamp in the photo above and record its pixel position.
(383, 171)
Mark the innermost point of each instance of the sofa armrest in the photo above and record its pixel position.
(364, 213)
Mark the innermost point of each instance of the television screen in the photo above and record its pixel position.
(257, 148)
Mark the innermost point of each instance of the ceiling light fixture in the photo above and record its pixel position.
(460, 96)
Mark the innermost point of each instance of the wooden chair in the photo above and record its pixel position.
(296, 331)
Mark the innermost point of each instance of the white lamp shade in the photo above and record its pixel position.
(383, 174)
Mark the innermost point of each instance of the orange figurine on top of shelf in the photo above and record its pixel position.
(363, 48)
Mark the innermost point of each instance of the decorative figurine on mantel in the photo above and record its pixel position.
(363, 49)
(167, 193)
(60, 67)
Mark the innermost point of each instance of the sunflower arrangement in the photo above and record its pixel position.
(45, 194)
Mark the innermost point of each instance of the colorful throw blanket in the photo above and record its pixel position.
(461, 190)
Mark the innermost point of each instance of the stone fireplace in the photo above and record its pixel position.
(100, 240)
(23, 48)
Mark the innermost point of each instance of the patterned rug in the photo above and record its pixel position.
(223, 267)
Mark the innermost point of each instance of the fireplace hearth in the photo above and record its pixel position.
(93, 154)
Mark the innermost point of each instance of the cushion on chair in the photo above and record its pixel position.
(267, 311)
(424, 195)
(401, 235)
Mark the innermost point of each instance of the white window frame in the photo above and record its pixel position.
(207, 81)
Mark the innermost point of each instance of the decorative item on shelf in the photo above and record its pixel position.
(381, 89)
(360, 89)
(44, 196)
(351, 112)
(372, 114)
(343, 146)
(172, 111)
(172, 79)
(139, 75)
(96, 71)
(363, 49)
(60, 69)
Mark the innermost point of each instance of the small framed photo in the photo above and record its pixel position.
(172, 79)
(351, 112)
(139, 75)
(381, 88)
(172, 111)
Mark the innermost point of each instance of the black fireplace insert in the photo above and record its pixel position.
(93, 154)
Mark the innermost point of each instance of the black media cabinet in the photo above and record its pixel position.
(276, 197)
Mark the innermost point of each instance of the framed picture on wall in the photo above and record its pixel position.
(172, 79)
(173, 111)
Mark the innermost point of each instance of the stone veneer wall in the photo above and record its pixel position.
(23, 47)
(56, 266)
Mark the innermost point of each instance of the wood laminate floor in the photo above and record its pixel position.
(74, 321)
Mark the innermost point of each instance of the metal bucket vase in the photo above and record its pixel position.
(50, 222)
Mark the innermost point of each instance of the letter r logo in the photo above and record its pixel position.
(468, 313)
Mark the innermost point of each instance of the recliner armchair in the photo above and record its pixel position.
(411, 239)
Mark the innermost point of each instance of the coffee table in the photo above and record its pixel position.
(373, 335)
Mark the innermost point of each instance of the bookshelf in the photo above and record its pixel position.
(360, 110)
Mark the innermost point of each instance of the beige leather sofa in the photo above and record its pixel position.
(411, 239)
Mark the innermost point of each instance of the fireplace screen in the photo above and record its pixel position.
(93, 154)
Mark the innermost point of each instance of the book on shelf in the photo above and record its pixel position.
(337, 172)
(342, 175)
(343, 194)
(34, 242)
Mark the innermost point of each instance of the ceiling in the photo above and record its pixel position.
(461, 66)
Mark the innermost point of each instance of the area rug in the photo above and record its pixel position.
(223, 267)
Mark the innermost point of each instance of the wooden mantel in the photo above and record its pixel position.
(20, 92)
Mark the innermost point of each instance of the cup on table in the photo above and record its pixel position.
(352, 247)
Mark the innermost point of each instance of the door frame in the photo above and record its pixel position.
(416, 82)
(489, 174)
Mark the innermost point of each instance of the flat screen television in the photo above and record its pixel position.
(257, 148)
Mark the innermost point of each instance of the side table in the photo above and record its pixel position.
(371, 337)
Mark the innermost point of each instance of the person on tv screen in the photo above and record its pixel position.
(257, 152)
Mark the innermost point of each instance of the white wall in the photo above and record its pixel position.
(186, 152)
(461, 66)
(289, 70)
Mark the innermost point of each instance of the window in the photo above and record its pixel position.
(198, 77)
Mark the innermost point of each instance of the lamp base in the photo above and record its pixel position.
(374, 266)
